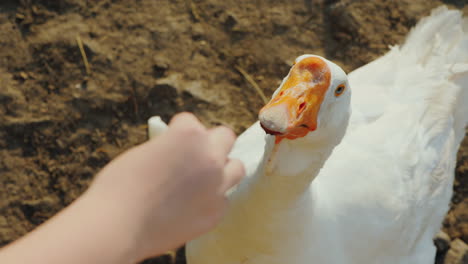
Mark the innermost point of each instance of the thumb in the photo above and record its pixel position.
(234, 171)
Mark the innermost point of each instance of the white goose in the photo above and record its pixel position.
(375, 194)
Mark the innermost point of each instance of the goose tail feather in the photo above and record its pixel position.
(438, 45)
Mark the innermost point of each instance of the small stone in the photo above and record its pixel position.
(160, 68)
(230, 22)
(458, 253)
(442, 241)
(24, 75)
(60, 143)
(20, 16)
(198, 31)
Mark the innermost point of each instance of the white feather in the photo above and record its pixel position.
(156, 127)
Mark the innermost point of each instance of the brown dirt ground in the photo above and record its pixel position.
(60, 125)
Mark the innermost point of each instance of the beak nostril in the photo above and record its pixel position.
(301, 108)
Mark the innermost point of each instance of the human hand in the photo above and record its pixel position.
(171, 189)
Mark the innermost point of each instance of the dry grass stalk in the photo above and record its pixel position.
(83, 55)
(253, 83)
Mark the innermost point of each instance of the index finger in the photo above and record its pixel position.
(222, 140)
(234, 171)
(185, 119)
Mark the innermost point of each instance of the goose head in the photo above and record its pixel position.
(312, 104)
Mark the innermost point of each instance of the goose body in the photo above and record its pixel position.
(363, 178)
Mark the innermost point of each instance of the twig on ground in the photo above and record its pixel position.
(252, 82)
(83, 55)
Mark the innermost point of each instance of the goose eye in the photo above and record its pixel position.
(339, 90)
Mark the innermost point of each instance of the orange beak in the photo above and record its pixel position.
(293, 112)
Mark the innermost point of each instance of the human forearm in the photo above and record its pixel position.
(88, 231)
